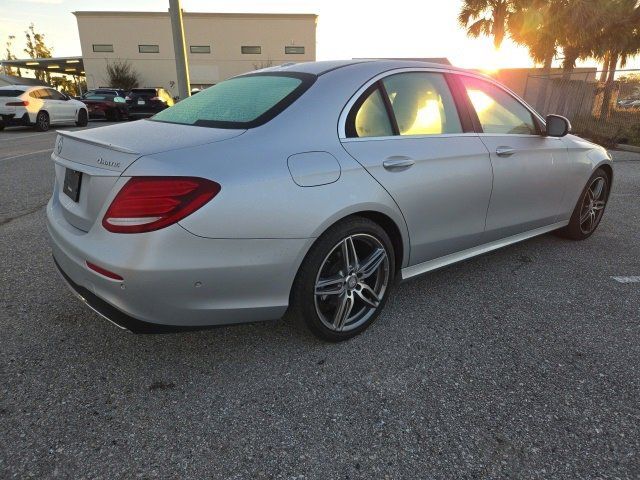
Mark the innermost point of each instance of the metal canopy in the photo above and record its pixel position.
(66, 65)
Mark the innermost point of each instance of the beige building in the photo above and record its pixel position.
(219, 45)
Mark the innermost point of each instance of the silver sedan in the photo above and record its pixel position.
(310, 189)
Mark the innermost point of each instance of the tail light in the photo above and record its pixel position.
(146, 204)
(23, 103)
(155, 99)
(127, 98)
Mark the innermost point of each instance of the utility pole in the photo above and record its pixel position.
(177, 29)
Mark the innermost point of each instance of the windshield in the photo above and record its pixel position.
(240, 102)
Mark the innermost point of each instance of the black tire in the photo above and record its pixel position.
(83, 118)
(1, 126)
(368, 239)
(42, 122)
(588, 212)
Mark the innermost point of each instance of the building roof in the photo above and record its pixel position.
(15, 80)
(87, 13)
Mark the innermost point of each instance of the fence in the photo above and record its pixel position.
(606, 111)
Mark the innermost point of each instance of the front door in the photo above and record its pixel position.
(406, 131)
(529, 169)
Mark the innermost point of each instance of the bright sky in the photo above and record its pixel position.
(346, 28)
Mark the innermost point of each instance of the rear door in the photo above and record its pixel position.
(407, 131)
(529, 169)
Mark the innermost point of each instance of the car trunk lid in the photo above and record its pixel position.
(102, 155)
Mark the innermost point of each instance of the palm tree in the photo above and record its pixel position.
(534, 25)
(486, 17)
(616, 42)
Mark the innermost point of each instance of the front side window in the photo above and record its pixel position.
(497, 110)
(240, 102)
(422, 104)
(55, 95)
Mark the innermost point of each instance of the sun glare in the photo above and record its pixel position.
(480, 100)
(428, 120)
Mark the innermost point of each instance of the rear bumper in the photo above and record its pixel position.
(173, 278)
(12, 119)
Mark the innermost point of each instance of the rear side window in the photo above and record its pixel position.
(11, 93)
(240, 102)
(422, 104)
(497, 110)
(371, 118)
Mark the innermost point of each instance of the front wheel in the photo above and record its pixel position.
(588, 212)
(345, 279)
(83, 118)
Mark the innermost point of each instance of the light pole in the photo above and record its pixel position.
(177, 29)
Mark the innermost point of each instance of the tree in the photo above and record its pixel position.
(121, 74)
(486, 17)
(37, 48)
(10, 56)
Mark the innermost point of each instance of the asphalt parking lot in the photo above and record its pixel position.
(523, 363)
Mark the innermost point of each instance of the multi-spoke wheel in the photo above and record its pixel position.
(590, 208)
(345, 279)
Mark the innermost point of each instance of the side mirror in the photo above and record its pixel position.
(557, 126)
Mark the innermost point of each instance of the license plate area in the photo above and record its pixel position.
(71, 186)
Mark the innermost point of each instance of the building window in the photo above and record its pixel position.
(251, 49)
(200, 49)
(148, 49)
(291, 50)
(102, 47)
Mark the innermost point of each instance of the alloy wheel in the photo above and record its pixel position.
(351, 282)
(593, 205)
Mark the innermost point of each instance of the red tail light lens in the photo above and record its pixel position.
(23, 103)
(146, 204)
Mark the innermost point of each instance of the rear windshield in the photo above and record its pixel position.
(147, 92)
(240, 102)
(11, 93)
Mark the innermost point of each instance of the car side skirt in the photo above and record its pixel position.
(437, 263)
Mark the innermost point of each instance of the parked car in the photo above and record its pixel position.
(311, 188)
(117, 92)
(39, 107)
(145, 102)
(108, 107)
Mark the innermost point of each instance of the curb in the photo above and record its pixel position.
(627, 148)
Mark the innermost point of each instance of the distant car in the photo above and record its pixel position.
(39, 107)
(146, 102)
(118, 92)
(311, 188)
(109, 107)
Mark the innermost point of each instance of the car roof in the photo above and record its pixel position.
(24, 88)
(323, 67)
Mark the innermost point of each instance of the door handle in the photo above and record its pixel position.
(505, 151)
(397, 163)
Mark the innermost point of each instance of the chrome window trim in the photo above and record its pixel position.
(342, 120)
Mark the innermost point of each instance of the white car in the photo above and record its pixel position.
(39, 107)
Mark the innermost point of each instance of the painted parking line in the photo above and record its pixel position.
(635, 279)
(27, 154)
